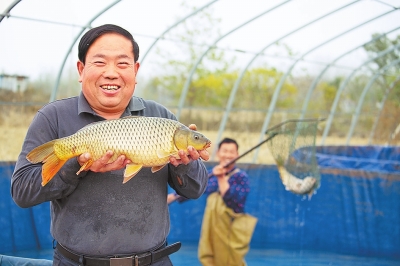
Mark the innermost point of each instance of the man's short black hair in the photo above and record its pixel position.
(228, 140)
(89, 37)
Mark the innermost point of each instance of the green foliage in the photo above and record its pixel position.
(328, 92)
(257, 88)
(374, 48)
(214, 77)
(211, 72)
(391, 75)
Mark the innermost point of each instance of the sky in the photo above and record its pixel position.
(32, 46)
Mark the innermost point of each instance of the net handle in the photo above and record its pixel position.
(272, 135)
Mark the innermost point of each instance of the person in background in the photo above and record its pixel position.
(95, 219)
(226, 229)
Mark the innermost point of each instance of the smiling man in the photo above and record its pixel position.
(95, 218)
(108, 74)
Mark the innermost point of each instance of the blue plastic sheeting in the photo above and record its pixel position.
(355, 215)
(19, 261)
(369, 158)
(21, 229)
(366, 158)
(355, 212)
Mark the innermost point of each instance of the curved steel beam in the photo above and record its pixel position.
(395, 131)
(8, 9)
(191, 73)
(241, 75)
(274, 99)
(42, 20)
(88, 25)
(343, 85)
(173, 26)
(385, 97)
(281, 82)
(318, 78)
(357, 112)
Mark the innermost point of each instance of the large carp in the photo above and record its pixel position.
(145, 141)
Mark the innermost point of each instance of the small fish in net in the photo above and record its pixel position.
(293, 149)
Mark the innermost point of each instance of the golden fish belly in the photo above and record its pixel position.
(138, 139)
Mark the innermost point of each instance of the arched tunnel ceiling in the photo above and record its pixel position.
(39, 36)
(41, 31)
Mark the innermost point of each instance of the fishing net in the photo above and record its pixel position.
(292, 145)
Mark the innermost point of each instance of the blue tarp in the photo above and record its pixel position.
(21, 229)
(20, 261)
(366, 158)
(355, 211)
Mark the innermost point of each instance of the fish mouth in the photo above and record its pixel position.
(110, 87)
(208, 145)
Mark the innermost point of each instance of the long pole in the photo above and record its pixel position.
(271, 136)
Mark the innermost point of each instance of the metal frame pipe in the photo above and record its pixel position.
(241, 75)
(343, 85)
(357, 112)
(88, 25)
(395, 131)
(381, 105)
(173, 26)
(8, 9)
(41, 20)
(318, 78)
(193, 70)
(281, 82)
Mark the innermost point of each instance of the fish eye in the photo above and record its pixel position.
(196, 137)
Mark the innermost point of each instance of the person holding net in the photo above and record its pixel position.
(226, 229)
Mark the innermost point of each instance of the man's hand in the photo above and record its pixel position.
(191, 154)
(219, 171)
(103, 164)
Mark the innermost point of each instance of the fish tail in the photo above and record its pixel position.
(52, 164)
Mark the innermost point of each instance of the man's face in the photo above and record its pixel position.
(109, 76)
(227, 153)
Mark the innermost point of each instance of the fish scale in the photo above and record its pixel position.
(132, 139)
(146, 141)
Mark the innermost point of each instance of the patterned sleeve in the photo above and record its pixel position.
(235, 197)
(212, 185)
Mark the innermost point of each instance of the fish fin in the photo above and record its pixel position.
(163, 153)
(52, 164)
(40, 153)
(130, 171)
(85, 167)
(157, 168)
